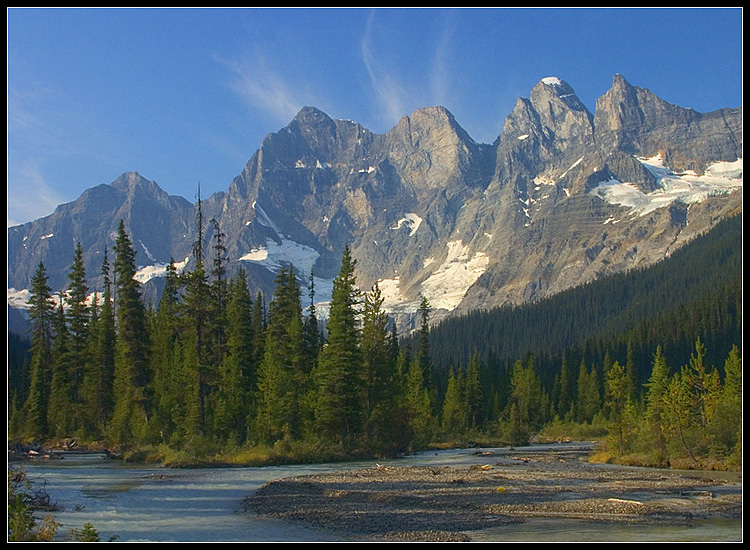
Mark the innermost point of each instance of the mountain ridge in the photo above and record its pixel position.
(562, 196)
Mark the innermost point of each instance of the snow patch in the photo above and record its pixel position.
(552, 81)
(576, 163)
(263, 218)
(145, 248)
(284, 252)
(446, 287)
(147, 273)
(719, 178)
(19, 299)
(412, 220)
(393, 300)
(47, 236)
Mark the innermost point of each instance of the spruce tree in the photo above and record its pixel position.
(617, 395)
(132, 375)
(423, 346)
(418, 407)
(454, 418)
(60, 408)
(281, 376)
(200, 374)
(241, 331)
(379, 368)
(656, 394)
(339, 378)
(41, 307)
(78, 328)
(219, 290)
(104, 355)
(165, 331)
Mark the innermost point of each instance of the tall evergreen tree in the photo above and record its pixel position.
(454, 417)
(219, 290)
(617, 395)
(60, 408)
(78, 327)
(166, 354)
(339, 378)
(41, 307)
(132, 375)
(526, 398)
(379, 369)
(656, 395)
(281, 377)
(103, 361)
(200, 376)
(726, 422)
(417, 403)
(423, 346)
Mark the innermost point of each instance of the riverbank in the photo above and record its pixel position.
(448, 503)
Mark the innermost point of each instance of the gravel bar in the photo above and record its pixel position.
(447, 503)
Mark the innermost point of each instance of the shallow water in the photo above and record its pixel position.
(146, 503)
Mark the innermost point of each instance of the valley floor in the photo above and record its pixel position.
(447, 503)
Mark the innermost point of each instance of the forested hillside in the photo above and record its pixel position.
(652, 357)
(695, 293)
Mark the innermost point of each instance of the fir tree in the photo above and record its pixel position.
(418, 407)
(41, 309)
(103, 360)
(199, 375)
(454, 417)
(78, 327)
(423, 350)
(380, 375)
(165, 333)
(656, 395)
(618, 385)
(59, 413)
(132, 370)
(339, 379)
(281, 377)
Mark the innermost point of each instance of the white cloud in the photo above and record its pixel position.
(390, 94)
(263, 87)
(401, 89)
(30, 196)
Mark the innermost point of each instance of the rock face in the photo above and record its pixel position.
(562, 197)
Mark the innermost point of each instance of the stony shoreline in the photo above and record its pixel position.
(447, 503)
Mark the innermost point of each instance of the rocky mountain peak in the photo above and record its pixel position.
(562, 197)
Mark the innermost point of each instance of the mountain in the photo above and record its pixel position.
(562, 197)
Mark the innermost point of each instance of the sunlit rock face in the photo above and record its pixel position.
(563, 196)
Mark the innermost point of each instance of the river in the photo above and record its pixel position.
(139, 503)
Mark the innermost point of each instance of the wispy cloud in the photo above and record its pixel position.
(389, 92)
(440, 75)
(262, 87)
(400, 89)
(31, 196)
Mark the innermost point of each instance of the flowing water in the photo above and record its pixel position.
(146, 503)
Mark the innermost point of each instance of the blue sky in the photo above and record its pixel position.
(185, 96)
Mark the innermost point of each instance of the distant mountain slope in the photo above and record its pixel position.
(696, 292)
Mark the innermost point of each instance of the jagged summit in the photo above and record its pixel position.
(563, 196)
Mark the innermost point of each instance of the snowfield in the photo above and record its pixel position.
(687, 187)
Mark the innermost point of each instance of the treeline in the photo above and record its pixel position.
(697, 291)
(211, 363)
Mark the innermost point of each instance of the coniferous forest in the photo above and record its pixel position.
(648, 361)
